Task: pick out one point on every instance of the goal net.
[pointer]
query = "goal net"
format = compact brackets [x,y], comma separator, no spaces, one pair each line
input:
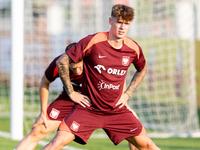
[164,101]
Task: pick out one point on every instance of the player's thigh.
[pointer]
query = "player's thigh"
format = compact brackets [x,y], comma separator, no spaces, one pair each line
[41,129]
[141,141]
[62,138]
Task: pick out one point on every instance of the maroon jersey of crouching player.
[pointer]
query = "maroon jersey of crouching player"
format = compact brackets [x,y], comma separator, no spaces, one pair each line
[62,105]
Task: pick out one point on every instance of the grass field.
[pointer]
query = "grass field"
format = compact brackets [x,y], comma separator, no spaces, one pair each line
[106,144]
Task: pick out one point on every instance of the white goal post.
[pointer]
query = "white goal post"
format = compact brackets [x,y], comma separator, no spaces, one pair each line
[17,57]
[39,31]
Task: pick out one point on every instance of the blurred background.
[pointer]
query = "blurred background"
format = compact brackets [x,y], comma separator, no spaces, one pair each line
[168,99]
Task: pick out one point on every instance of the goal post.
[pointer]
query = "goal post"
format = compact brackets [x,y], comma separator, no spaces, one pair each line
[17,59]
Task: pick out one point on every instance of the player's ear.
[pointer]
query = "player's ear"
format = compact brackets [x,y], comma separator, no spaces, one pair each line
[110,19]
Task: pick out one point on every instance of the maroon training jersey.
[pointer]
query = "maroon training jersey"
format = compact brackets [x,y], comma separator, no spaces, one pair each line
[52,73]
[105,68]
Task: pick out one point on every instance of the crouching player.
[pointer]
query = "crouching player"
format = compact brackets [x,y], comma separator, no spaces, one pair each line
[51,116]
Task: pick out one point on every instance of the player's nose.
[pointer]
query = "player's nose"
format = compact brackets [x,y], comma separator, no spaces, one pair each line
[78,71]
[122,26]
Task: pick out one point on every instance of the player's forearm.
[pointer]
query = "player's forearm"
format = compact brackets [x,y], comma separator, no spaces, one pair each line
[44,94]
[63,70]
[44,99]
[136,80]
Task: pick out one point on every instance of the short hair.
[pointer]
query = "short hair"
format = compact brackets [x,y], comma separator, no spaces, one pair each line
[70,45]
[123,12]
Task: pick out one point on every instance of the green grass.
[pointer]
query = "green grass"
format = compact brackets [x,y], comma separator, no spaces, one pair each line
[106,144]
[5,126]
[178,143]
[8,144]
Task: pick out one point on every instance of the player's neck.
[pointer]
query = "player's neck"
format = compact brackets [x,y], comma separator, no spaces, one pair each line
[114,42]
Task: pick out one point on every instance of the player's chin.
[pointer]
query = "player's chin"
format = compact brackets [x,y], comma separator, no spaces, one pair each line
[120,36]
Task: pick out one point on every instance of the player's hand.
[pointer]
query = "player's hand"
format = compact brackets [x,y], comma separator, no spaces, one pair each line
[123,100]
[80,99]
[41,119]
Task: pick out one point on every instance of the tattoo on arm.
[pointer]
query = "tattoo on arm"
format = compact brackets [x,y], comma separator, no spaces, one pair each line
[136,80]
[63,69]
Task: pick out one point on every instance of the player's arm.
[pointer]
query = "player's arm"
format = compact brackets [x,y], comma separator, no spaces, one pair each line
[136,80]
[44,94]
[63,70]
[126,104]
